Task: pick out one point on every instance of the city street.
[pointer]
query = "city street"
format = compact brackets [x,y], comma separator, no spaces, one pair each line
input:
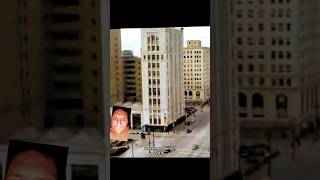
[303,165]
[177,138]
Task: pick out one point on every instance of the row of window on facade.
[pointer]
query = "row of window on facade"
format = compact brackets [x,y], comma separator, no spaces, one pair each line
[153,91]
[251,68]
[190,93]
[153,57]
[257,105]
[191,56]
[154,102]
[263,1]
[155,120]
[192,74]
[192,70]
[192,61]
[153,65]
[192,79]
[154,81]
[190,52]
[262,55]
[262,81]
[280,27]
[261,41]
[154,73]
[192,87]
[274,13]
[153,39]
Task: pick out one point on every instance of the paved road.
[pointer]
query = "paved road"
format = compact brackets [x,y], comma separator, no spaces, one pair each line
[304,165]
[179,139]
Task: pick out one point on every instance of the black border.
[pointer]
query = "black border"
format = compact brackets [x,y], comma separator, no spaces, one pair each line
[160,13]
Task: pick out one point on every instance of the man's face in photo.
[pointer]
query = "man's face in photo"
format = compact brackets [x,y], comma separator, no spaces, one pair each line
[31,165]
[119,120]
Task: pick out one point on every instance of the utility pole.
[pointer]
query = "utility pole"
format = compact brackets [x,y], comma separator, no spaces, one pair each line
[149,139]
[132,149]
[153,136]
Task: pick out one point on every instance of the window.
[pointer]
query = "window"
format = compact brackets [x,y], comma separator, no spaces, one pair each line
[281,68]
[281,82]
[261,81]
[261,55]
[261,27]
[288,68]
[239,40]
[288,55]
[250,13]
[239,14]
[273,54]
[261,68]
[250,40]
[250,27]
[240,54]
[257,105]
[242,105]
[281,105]
[261,40]
[239,67]
[288,82]
[251,81]
[65,18]
[288,27]
[251,67]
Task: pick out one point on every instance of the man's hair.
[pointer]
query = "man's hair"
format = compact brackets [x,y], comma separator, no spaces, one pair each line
[57,153]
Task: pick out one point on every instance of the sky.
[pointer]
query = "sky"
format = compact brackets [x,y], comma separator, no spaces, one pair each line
[131,38]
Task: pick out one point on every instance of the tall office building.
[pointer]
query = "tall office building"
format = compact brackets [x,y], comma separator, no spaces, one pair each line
[162,77]
[275,51]
[196,70]
[132,77]
[116,68]
[52,70]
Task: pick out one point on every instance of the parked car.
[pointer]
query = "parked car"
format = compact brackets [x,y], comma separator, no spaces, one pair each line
[195,146]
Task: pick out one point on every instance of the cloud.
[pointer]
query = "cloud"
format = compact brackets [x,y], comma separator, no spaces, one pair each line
[131,38]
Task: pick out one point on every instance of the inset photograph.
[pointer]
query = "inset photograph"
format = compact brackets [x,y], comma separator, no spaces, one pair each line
[160,92]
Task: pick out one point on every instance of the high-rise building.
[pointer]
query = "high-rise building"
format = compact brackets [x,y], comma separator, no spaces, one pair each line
[162,77]
[116,68]
[275,51]
[52,73]
[196,72]
[132,76]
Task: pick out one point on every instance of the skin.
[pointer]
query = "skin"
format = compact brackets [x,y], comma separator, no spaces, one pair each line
[31,165]
[119,125]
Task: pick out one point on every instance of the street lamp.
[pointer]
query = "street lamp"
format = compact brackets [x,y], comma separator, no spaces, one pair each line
[132,149]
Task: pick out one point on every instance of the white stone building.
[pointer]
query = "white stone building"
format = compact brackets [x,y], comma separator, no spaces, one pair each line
[196,72]
[162,75]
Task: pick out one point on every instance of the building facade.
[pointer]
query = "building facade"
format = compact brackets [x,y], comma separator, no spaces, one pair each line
[162,77]
[116,68]
[52,65]
[196,70]
[132,77]
[275,59]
